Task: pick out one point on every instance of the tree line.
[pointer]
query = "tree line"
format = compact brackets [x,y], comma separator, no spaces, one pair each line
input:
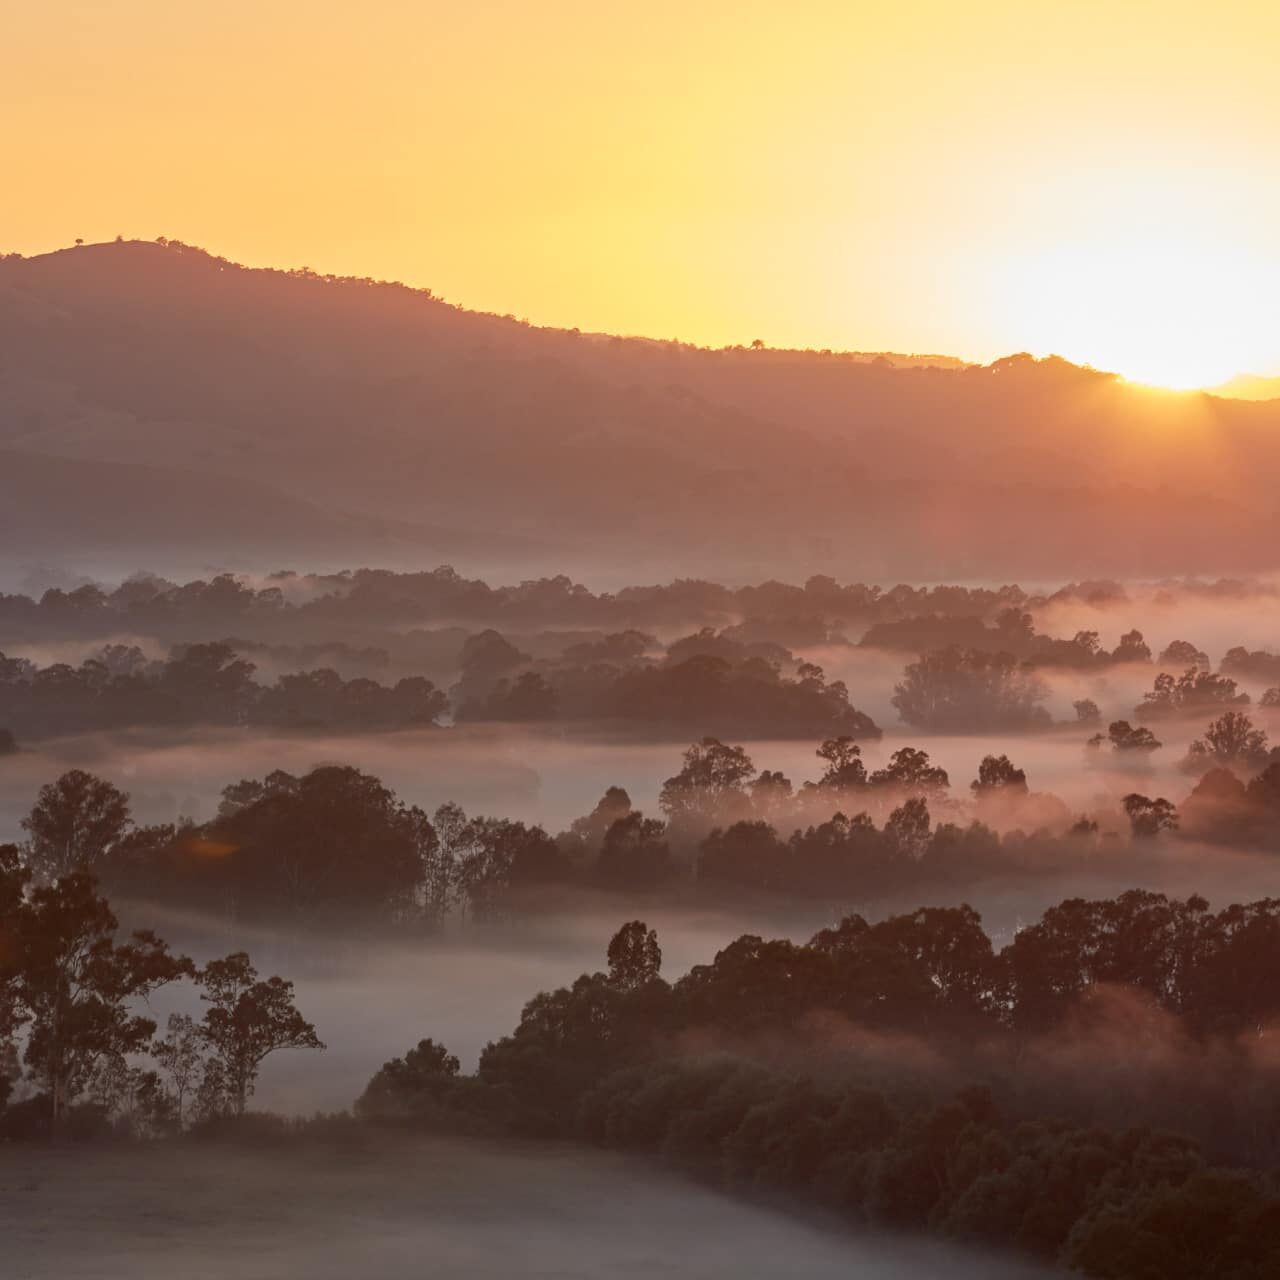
[703,680]
[905,1074]
[819,611]
[708,680]
[338,842]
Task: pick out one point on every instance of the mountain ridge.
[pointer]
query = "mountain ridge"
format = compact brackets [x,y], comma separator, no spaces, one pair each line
[384,402]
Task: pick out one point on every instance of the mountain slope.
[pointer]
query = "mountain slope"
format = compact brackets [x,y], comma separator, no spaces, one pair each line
[385,404]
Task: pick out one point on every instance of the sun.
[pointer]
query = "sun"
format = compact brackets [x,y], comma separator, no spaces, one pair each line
[1148,279]
[1153,312]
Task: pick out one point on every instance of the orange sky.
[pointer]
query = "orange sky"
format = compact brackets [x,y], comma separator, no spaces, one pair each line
[1094,179]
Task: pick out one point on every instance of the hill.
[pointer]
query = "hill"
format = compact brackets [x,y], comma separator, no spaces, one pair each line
[395,427]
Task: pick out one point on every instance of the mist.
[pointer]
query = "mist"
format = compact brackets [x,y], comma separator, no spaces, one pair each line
[394,1210]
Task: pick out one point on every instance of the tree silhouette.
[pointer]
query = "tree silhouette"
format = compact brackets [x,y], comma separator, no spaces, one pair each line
[80,986]
[635,853]
[74,823]
[248,1019]
[712,779]
[958,689]
[845,770]
[1229,740]
[635,959]
[1148,817]
[997,773]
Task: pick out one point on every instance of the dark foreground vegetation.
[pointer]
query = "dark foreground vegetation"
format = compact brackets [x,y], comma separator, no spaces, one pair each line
[78,1054]
[906,1075]
[1100,1092]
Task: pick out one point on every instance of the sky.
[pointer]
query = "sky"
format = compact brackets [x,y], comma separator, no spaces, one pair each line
[1092,179]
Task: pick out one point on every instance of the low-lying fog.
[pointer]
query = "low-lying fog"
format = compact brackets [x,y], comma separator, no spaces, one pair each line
[388,1210]
[371,997]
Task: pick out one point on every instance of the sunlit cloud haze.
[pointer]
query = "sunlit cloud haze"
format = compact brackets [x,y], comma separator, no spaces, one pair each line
[1088,179]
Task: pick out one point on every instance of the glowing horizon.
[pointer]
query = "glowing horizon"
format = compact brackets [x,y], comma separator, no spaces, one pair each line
[923,180]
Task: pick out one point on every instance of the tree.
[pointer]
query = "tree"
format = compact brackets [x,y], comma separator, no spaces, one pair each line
[1270,699]
[1181,653]
[411,1085]
[592,829]
[907,829]
[247,1020]
[961,690]
[1124,738]
[635,853]
[8,743]
[746,854]
[74,824]
[527,697]
[997,773]
[1132,648]
[335,837]
[845,770]
[635,959]
[1229,740]
[208,682]
[14,878]
[179,1055]
[1087,711]
[910,770]
[710,783]
[771,792]
[1147,818]
[1194,690]
[79,986]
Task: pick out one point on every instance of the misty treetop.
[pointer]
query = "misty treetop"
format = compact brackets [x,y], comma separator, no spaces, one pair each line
[337,842]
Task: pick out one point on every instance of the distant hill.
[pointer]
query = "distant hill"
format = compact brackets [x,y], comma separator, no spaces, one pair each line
[287,415]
